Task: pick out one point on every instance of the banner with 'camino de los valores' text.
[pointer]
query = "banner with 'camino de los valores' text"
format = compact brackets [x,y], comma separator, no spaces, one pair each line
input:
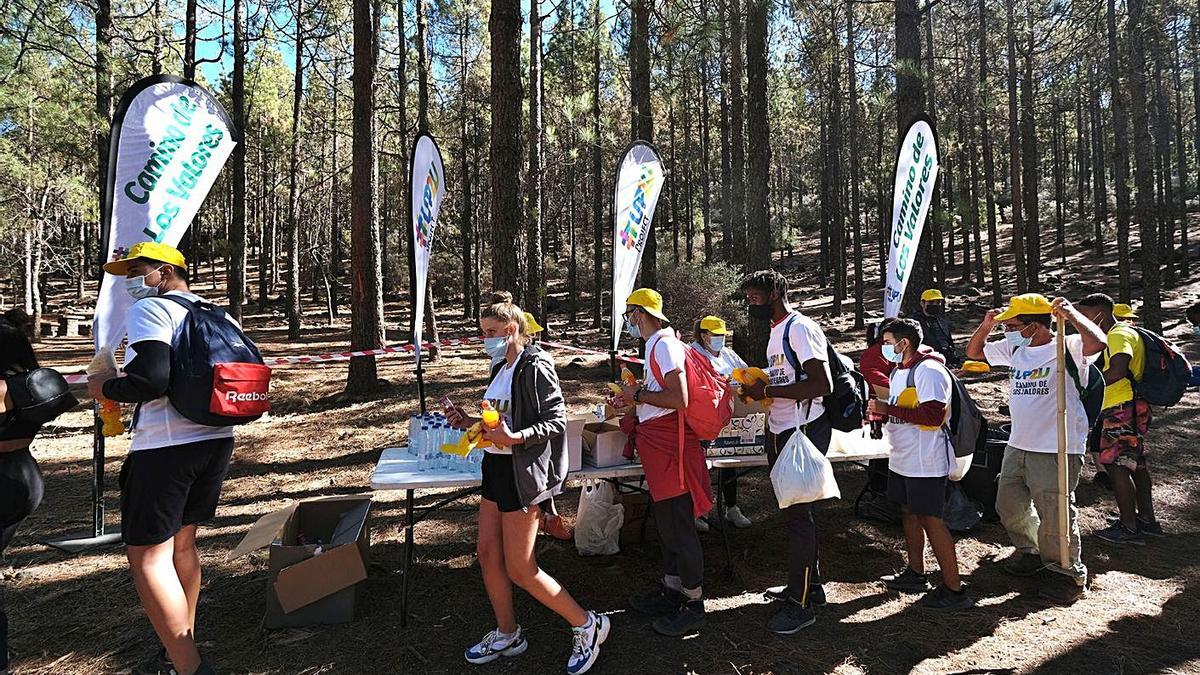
[639,183]
[170,138]
[428,188]
[916,174]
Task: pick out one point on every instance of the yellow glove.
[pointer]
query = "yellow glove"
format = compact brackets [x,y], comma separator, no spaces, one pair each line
[469,441]
[745,376]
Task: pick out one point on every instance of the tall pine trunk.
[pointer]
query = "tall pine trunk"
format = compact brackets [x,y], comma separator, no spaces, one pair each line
[534,270]
[737,140]
[852,124]
[910,97]
[507,214]
[235,278]
[293,231]
[597,177]
[1120,154]
[984,111]
[1140,30]
[366,289]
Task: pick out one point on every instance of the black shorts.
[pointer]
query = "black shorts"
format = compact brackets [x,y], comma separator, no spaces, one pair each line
[922,496]
[20,491]
[165,489]
[500,482]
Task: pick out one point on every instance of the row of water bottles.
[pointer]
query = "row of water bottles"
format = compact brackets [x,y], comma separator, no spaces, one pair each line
[427,434]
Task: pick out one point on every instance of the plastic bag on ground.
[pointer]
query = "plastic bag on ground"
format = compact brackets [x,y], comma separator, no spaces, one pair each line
[802,474]
[598,521]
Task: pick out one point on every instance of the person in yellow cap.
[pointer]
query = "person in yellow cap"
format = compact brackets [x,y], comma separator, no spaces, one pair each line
[677,600]
[1027,490]
[711,335]
[936,327]
[171,481]
[1118,436]
[1123,311]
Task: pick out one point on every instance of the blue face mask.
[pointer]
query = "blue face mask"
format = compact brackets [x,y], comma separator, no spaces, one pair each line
[890,353]
[1016,340]
[496,347]
[632,328]
[717,342]
[1196,330]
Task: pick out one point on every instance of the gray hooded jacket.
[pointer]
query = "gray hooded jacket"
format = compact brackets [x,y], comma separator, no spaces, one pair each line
[539,415]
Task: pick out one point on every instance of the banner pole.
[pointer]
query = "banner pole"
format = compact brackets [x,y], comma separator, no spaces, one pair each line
[412,273]
[1064,537]
[97,473]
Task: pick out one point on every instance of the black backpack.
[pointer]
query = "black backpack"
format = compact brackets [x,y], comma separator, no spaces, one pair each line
[1166,373]
[846,404]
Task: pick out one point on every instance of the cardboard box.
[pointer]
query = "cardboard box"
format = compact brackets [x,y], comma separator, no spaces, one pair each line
[306,587]
[575,424]
[639,523]
[743,436]
[603,444]
[743,409]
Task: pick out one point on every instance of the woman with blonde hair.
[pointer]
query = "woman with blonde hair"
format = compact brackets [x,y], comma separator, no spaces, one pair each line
[525,467]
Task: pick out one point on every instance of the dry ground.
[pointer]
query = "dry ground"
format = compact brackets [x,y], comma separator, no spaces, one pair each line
[79,614]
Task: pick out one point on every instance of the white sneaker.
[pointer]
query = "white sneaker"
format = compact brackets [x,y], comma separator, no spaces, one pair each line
[494,645]
[701,524]
[734,515]
[585,644]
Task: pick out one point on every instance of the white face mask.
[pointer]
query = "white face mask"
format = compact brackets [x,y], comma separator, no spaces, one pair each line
[716,342]
[137,288]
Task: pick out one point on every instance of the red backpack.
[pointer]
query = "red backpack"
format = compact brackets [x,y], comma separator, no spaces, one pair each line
[710,400]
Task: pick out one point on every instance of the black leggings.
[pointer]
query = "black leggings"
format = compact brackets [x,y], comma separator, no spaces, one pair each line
[20,493]
[682,555]
[804,567]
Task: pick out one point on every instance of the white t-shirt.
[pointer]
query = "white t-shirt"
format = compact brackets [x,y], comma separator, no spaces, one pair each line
[808,342]
[723,363]
[499,394]
[159,424]
[919,452]
[1033,401]
[668,352]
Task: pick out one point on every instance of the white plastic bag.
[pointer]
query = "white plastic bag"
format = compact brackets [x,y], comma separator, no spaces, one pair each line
[598,521]
[802,475]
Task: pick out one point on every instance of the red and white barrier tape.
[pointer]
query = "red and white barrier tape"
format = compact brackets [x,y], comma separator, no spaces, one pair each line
[390,350]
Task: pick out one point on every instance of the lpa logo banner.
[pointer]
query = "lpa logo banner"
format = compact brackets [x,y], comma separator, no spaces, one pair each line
[426,174]
[916,174]
[640,179]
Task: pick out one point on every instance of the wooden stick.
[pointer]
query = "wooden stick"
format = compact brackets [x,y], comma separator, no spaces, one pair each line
[1064,521]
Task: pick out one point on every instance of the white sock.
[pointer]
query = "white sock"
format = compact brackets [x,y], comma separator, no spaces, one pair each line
[673,582]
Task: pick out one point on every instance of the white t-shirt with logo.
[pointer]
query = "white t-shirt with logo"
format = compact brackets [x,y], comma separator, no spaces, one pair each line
[159,424]
[723,363]
[919,452]
[499,394]
[1033,400]
[808,342]
[667,350]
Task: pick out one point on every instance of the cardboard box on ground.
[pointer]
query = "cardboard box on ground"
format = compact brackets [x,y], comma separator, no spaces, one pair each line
[314,582]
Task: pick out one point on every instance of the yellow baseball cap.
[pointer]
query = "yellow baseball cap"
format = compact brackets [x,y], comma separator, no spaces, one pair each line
[931,294]
[714,325]
[150,250]
[1123,311]
[649,300]
[532,327]
[1029,303]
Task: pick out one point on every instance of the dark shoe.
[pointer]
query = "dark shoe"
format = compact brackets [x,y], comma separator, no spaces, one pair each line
[816,595]
[943,598]
[1064,591]
[791,619]
[908,581]
[1150,528]
[658,601]
[1117,533]
[1024,564]
[685,619]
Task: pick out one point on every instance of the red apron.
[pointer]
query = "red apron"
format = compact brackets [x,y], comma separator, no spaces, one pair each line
[658,444]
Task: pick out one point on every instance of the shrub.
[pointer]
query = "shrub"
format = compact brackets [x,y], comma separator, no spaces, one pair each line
[694,290]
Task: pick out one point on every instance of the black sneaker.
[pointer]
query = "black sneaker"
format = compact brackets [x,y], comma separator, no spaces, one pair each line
[658,601]
[1117,533]
[816,595]
[908,581]
[1024,564]
[944,599]
[685,619]
[1150,528]
[1063,590]
[791,619]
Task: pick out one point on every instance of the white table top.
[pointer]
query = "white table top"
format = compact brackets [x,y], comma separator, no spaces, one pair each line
[397,469]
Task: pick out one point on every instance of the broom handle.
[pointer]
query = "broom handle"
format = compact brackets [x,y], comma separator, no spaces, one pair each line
[1064,536]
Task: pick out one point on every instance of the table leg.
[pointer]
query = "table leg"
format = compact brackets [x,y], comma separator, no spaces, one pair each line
[724,525]
[408,556]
